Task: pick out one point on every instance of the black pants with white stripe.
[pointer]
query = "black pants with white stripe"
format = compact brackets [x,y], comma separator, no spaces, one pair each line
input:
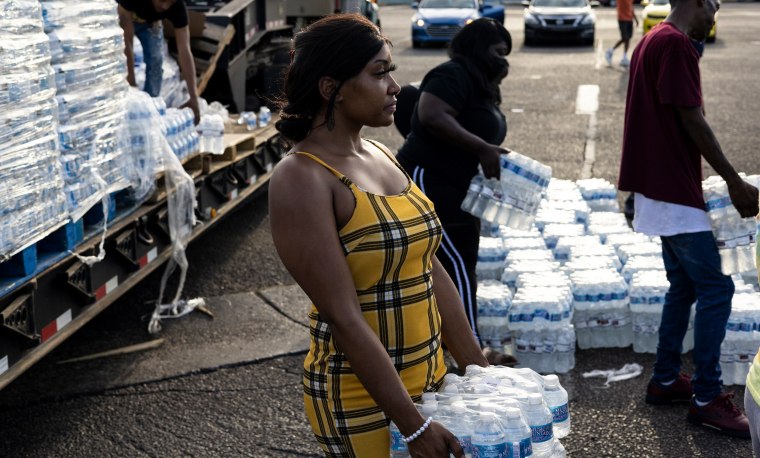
[458,252]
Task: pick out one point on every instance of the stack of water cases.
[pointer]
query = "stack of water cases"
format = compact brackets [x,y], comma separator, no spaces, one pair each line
[513,200]
[494,303]
[32,202]
[87,48]
[742,334]
[498,412]
[647,295]
[735,235]
[491,257]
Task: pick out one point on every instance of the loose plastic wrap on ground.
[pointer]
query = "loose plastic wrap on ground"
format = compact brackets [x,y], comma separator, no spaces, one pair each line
[32,201]
[89,66]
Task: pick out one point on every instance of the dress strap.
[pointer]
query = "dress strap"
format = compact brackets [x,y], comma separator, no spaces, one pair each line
[390,155]
[344,179]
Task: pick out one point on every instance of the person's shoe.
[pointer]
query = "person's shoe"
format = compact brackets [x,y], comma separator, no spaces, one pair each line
[678,391]
[624,62]
[608,56]
[720,414]
[497,358]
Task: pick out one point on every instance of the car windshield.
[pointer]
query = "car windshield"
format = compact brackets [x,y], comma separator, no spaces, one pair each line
[447,4]
[559,3]
[661,2]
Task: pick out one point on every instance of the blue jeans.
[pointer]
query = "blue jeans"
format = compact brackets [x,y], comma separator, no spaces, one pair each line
[692,263]
[151,38]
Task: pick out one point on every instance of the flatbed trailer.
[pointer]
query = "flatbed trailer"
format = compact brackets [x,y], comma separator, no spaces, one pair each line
[41,310]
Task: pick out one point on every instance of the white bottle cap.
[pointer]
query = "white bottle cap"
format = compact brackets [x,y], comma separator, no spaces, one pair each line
[535,399]
[551,381]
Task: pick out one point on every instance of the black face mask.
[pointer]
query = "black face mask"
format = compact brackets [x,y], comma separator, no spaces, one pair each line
[498,68]
[699,46]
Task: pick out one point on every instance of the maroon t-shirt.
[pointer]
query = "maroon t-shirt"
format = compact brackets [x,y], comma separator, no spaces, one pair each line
[659,159]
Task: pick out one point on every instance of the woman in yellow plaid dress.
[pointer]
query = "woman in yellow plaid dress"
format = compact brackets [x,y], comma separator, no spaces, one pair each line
[360,239]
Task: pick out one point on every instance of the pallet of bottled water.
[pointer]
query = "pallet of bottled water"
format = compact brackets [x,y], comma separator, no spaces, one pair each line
[637,264]
[734,235]
[566,245]
[87,49]
[742,334]
[32,198]
[498,411]
[513,200]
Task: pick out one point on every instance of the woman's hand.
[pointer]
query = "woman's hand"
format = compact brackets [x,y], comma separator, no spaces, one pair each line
[488,155]
[435,442]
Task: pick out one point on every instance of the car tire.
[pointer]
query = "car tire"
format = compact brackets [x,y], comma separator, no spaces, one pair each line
[528,41]
[416,44]
[589,41]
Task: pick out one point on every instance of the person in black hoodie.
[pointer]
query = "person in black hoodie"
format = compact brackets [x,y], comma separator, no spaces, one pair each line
[456,126]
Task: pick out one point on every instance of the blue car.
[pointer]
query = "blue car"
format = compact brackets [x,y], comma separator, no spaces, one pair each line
[437,21]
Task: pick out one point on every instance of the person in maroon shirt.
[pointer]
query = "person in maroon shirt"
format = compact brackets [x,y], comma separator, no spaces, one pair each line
[665,137]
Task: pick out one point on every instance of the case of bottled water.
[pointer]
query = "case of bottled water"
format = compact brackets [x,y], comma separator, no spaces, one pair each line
[553,231]
[211,132]
[554,216]
[493,408]
[600,194]
[602,316]
[491,257]
[636,264]
[742,338]
[642,249]
[562,250]
[32,197]
[734,235]
[511,272]
[513,200]
[494,303]
[631,238]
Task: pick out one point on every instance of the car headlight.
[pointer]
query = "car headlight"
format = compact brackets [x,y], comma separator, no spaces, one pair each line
[587,20]
[531,19]
[468,20]
[420,22]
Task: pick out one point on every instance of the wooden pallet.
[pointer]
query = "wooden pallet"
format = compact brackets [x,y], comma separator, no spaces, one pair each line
[236,147]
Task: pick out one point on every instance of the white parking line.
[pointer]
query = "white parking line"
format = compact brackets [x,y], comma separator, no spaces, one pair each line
[587,102]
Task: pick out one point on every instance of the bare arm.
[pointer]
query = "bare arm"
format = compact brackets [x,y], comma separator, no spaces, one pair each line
[187,67]
[125,21]
[455,329]
[744,196]
[440,119]
[315,258]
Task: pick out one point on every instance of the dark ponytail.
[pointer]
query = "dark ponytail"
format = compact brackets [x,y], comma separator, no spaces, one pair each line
[338,46]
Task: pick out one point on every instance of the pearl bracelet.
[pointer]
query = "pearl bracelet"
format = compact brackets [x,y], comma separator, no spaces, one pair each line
[419,432]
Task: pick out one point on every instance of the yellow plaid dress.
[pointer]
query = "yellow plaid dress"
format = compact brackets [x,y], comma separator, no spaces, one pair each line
[389,243]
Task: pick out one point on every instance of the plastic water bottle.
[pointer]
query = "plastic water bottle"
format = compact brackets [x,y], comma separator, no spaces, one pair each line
[517,434]
[248,119]
[476,184]
[398,446]
[459,426]
[556,398]
[488,439]
[265,116]
[540,420]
